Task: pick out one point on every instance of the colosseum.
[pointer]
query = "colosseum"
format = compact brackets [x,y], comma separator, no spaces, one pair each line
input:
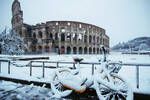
[63,37]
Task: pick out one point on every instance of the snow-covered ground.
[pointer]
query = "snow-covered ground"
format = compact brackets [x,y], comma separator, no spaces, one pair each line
[13,91]
[127,72]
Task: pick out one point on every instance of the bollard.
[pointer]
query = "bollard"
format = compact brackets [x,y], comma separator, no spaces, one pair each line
[137,76]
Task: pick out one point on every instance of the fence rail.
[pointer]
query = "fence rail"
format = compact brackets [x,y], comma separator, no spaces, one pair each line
[43,65]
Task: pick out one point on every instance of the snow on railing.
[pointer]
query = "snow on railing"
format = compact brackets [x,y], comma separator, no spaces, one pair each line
[7,61]
[30,65]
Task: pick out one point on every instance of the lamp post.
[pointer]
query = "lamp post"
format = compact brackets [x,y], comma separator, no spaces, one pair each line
[104,52]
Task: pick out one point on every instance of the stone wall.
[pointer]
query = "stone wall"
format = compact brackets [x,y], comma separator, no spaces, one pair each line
[67,37]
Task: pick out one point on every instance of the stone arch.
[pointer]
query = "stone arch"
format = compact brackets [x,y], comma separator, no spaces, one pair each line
[33,48]
[40,49]
[90,39]
[90,50]
[97,50]
[94,39]
[80,50]
[62,37]
[68,50]
[98,39]
[40,35]
[94,50]
[74,50]
[100,50]
[85,38]
[46,48]
[34,35]
[56,49]
[68,37]
[51,36]
[46,34]
[56,36]
[75,37]
[85,50]
[62,50]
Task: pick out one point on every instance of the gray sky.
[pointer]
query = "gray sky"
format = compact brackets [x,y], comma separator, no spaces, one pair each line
[122,19]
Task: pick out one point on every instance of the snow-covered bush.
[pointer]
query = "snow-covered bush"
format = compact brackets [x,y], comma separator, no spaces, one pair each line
[11,43]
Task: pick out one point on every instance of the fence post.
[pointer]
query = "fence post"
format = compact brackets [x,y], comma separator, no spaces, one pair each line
[43,69]
[92,69]
[137,76]
[8,67]
[31,68]
[74,66]
[57,64]
[0,67]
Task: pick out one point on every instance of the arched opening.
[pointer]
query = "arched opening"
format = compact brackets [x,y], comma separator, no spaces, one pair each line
[90,39]
[90,50]
[39,49]
[80,50]
[56,36]
[51,36]
[46,48]
[69,37]
[100,51]
[62,50]
[74,50]
[85,38]
[33,49]
[47,33]
[97,50]
[94,39]
[34,35]
[40,34]
[93,50]
[75,37]
[68,50]
[34,41]
[56,49]
[62,37]
[85,50]
[98,39]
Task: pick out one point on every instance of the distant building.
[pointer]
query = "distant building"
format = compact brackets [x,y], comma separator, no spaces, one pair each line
[64,37]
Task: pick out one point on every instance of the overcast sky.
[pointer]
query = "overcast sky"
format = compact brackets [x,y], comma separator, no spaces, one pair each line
[122,19]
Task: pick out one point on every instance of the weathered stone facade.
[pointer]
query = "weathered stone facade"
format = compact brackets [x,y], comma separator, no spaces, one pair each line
[64,37]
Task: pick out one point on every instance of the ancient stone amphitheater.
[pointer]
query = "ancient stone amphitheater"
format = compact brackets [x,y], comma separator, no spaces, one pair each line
[63,37]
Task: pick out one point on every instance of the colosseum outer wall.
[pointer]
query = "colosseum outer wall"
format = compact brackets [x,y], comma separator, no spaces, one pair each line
[63,37]
[68,37]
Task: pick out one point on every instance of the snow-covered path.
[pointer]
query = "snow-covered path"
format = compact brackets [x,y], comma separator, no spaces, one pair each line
[13,91]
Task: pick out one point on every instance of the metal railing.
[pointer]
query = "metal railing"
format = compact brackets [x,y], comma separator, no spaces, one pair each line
[137,65]
[7,61]
[58,65]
